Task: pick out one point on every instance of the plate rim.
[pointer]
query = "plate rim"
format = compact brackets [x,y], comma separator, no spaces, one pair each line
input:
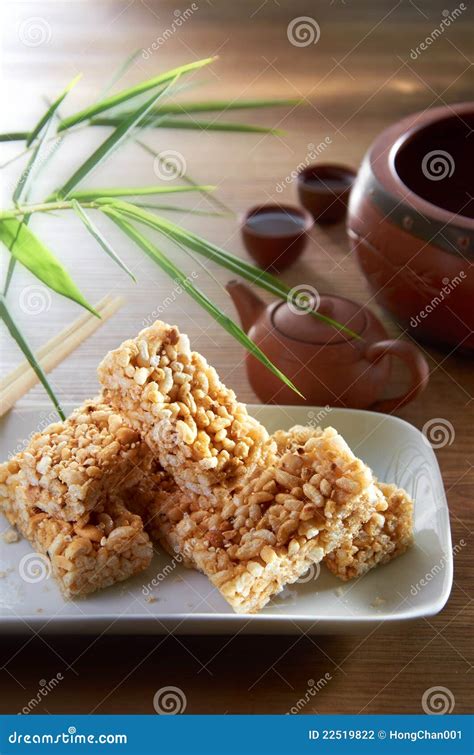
[38,623]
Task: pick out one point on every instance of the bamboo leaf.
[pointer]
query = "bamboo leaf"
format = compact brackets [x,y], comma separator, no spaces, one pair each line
[51,110]
[212,106]
[110,144]
[187,210]
[34,255]
[201,246]
[8,278]
[86,195]
[42,128]
[184,177]
[182,123]
[27,174]
[14,136]
[16,157]
[131,92]
[99,237]
[122,110]
[176,274]
[17,335]
[120,71]
[34,166]
[190,240]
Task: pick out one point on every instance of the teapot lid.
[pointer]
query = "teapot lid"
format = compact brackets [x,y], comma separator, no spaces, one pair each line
[303,326]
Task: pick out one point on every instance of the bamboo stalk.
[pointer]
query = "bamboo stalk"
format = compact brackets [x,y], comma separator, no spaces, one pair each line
[23,378]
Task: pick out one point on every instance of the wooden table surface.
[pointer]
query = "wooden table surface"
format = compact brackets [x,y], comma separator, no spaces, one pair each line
[358,78]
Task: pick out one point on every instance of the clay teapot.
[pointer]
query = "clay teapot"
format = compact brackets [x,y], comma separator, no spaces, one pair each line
[329,366]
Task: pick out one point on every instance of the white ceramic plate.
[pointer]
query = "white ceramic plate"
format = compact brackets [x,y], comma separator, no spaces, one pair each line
[415,585]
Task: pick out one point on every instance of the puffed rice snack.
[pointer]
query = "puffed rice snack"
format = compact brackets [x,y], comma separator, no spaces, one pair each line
[194,424]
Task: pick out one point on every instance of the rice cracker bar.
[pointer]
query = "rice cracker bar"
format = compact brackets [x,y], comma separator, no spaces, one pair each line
[66,468]
[286,517]
[386,535]
[103,548]
[201,434]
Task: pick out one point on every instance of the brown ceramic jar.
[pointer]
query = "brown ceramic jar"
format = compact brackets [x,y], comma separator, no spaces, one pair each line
[411,224]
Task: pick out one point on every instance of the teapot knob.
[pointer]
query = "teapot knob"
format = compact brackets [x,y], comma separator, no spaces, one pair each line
[326,307]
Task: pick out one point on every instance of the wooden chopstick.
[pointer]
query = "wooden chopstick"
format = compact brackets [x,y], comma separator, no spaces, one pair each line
[23,378]
[53,343]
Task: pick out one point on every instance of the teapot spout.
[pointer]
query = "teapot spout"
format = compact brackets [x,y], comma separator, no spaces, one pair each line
[249,306]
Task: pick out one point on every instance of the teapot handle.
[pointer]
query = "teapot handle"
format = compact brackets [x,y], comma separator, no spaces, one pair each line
[414,360]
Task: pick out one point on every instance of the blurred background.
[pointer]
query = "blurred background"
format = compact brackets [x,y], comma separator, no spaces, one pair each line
[355,75]
[360,69]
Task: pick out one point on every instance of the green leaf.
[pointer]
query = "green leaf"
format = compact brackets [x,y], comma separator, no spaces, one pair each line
[99,237]
[236,265]
[26,135]
[32,166]
[127,94]
[51,110]
[201,246]
[9,275]
[16,334]
[186,178]
[244,128]
[183,85]
[16,157]
[86,195]
[120,71]
[176,274]
[212,106]
[111,143]
[42,128]
[187,210]
[34,255]
[181,123]
[15,136]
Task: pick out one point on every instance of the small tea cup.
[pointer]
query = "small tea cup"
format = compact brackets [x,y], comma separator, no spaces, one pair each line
[324,191]
[275,235]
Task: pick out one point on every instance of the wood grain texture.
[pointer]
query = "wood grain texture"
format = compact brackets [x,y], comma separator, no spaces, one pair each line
[354,82]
